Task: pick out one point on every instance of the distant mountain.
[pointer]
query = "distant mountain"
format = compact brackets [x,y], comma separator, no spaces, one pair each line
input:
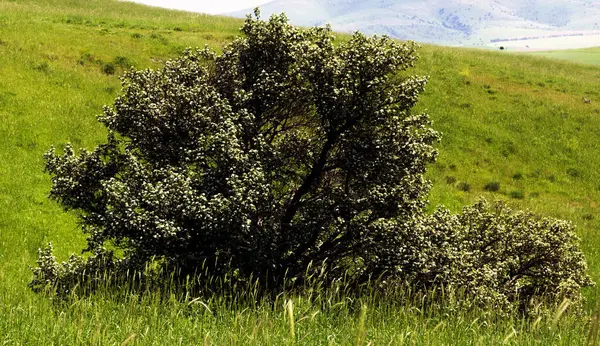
[448,22]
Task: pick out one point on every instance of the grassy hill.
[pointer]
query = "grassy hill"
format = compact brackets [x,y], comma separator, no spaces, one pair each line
[449,22]
[518,121]
[583,56]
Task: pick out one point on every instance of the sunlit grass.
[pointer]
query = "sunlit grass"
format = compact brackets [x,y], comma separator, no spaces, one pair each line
[180,314]
[582,56]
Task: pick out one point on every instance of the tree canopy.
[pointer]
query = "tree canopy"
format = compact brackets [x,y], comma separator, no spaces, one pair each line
[286,151]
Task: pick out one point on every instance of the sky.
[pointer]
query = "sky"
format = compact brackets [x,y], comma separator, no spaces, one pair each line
[205,6]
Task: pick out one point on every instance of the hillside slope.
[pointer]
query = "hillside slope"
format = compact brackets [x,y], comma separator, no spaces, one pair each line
[518,121]
[454,22]
[514,119]
[584,56]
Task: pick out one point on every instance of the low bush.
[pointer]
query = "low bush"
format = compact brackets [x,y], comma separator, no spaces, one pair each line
[493,186]
[502,257]
[109,68]
[450,180]
[123,62]
[517,194]
[464,186]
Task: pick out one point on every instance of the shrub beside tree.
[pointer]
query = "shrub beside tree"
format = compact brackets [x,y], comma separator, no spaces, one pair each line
[497,256]
[284,152]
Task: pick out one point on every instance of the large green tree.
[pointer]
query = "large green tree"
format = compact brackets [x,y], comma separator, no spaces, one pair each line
[285,152]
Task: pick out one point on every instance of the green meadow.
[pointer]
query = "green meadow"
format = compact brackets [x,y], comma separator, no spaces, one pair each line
[515,127]
[582,56]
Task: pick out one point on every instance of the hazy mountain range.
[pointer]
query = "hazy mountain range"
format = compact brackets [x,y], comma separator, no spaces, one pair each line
[452,22]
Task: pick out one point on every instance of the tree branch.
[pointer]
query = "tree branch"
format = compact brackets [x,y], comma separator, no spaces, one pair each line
[314,175]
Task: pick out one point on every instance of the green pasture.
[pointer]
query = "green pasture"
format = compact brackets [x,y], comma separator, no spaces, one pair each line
[583,56]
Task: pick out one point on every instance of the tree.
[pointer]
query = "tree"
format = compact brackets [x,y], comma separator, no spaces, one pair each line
[285,150]
[289,152]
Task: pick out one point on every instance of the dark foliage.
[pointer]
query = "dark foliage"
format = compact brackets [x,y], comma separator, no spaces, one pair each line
[499,256]
[284,151]
[288,152]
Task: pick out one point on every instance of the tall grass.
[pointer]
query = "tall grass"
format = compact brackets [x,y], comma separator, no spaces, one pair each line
[218,311]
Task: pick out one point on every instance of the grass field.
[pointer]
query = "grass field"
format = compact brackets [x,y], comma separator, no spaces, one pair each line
[519,121]
[583,56]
